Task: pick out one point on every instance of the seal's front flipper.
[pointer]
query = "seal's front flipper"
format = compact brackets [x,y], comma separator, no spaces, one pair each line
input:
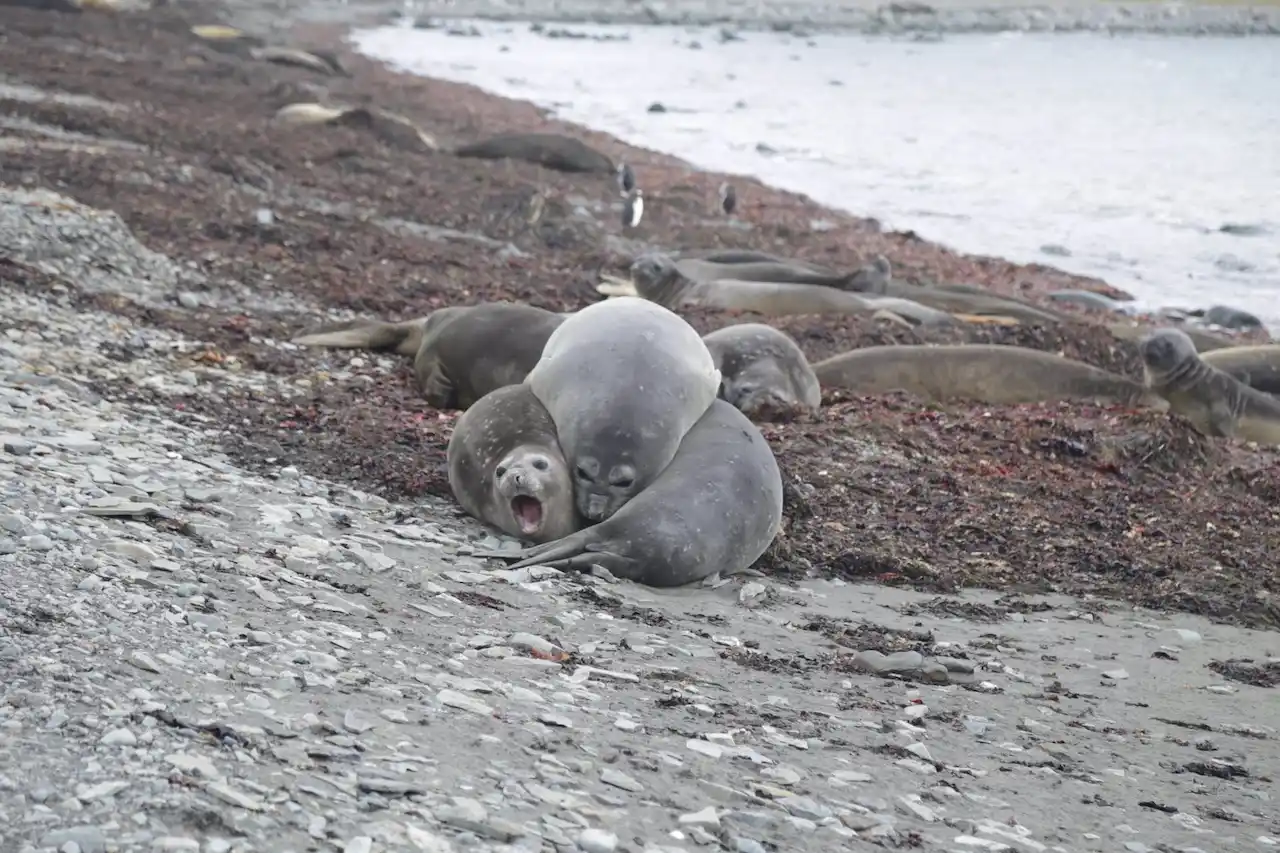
[546,554]
[1222,420]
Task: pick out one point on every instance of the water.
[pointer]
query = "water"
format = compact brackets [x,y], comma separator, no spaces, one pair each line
[1129,152]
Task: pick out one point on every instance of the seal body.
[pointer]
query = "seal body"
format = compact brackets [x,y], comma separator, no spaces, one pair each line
[460,353]
[624,380]
[1215,402]
[988,373]
[714,509]
[1255,366]
[748,256]
[702,270]
[762,368]
[553,150]
[506,467]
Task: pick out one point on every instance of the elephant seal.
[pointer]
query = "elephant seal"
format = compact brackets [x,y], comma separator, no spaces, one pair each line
[761,368]
[1255,366]
[1231,318]
[1204,341]
[658,278]
[714,509]
[506,467]
[701,270]
[553,150]
[987,373]
[747,256]
[395,130]
[1215,402]
[624,380]
[1088,299]
[460,353]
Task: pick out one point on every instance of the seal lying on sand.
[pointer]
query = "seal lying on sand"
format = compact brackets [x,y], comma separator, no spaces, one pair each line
[762,368]
[747,256]
[506,467]
[392,129]
[1215,402]
[769,271]
[460,353]
[624,380]
[1255,366]
[715,509]
[987,373]
[659,279]
[553,150]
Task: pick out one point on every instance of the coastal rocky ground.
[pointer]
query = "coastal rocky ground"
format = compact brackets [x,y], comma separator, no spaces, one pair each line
[239,611]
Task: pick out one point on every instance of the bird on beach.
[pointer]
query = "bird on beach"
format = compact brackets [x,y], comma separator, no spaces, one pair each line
[626,179]
[633,210]
[728,198]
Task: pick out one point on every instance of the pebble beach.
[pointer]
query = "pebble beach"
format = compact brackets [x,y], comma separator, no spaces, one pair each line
[240,611]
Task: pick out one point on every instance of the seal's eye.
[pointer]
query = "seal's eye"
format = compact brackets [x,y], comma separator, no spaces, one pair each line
[624,483]
[583,473]
[500,472]
[540,464]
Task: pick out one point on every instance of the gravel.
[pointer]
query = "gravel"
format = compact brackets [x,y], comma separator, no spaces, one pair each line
[194,657]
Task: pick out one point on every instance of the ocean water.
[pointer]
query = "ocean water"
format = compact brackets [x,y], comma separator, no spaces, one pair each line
[1129,153]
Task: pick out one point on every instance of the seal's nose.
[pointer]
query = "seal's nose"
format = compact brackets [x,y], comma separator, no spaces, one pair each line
[596,505]
[518,476]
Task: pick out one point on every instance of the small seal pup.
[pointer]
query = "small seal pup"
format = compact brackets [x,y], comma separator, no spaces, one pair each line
[506,467]
[987,373]
[1215,402]
[460,353]
[715,509]
[1256,366]
[762,368]
[624,380]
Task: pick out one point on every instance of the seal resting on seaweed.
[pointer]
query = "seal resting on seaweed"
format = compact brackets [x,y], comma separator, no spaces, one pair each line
[460,353]
[624,380]
[761,369]
[987,373]
[1256,366]
[662,280]
[1215,402]
[714,509]
[553,150]
[506,467]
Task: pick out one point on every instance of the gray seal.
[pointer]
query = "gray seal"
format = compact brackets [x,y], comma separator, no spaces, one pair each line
[624,380]
[460,353]
[747,256]
[658,278]
[506,467]
[784,272]
[715,509]
[1256,366]
[1215,402]
[552,150]
[988,373]
[762,369]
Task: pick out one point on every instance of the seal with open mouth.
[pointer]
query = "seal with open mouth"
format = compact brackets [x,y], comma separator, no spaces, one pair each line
[506,467]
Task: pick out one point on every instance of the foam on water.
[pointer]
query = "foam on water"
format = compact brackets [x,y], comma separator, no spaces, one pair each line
[1130,153]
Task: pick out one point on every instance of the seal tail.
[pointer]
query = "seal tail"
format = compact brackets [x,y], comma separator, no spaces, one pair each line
[404,338]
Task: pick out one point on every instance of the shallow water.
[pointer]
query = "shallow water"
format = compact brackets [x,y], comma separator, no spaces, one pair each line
[1129,153]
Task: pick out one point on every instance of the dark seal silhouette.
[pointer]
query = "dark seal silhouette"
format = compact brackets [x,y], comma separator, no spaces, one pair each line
[553,150]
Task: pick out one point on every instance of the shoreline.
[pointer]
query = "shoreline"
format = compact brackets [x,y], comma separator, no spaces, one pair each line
[908,18]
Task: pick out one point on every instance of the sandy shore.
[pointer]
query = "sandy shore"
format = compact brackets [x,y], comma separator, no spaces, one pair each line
[932,18]
[240,611]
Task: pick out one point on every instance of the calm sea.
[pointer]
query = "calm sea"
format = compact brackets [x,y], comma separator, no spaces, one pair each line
[1119,157]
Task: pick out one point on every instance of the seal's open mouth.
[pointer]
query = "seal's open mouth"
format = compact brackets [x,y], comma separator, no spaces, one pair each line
[528,511]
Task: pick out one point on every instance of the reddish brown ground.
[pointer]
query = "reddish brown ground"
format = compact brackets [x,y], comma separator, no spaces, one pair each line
[1031,498]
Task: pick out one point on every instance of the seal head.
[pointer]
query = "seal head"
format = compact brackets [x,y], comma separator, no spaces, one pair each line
[534,488]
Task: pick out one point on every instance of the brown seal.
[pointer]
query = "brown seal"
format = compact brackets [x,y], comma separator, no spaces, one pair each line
[553,150]
[506,467]
[762,369]
[988,373]
[624,380]
[713,510]
[1256,366]
[460,353]
[1215,402]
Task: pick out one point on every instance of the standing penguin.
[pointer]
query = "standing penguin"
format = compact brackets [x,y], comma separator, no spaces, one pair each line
[626,179]
[728,198]
[633,210]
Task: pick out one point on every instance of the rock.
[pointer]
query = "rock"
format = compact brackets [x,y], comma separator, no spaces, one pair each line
[597,841]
